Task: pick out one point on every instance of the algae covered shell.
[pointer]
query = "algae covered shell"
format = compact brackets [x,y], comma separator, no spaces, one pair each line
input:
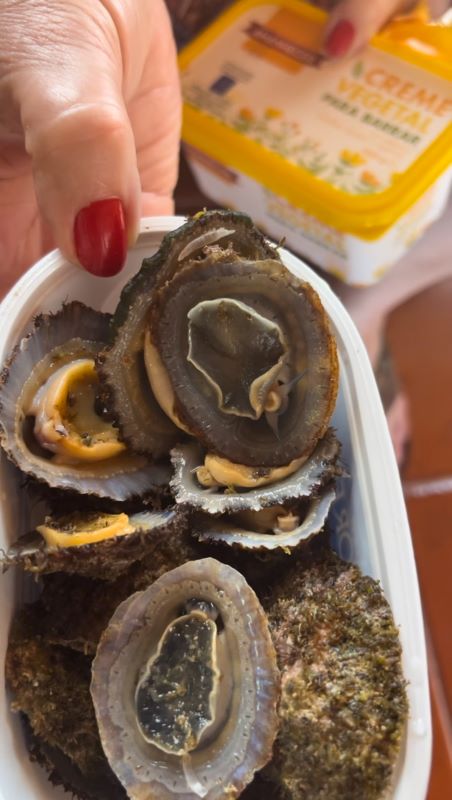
[343,707]
[50,686]
[37,428]
[95,544]
[185,686]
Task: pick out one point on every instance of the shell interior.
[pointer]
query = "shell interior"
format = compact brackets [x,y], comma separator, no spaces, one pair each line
[240,739]
[316,471]
[54,341]
[140,417]
[223,530]
[250,358]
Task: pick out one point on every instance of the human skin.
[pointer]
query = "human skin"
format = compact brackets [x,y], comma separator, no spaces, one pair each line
[90,111]
[368,16]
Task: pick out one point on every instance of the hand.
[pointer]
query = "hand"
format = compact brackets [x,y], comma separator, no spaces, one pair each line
[89,128]
[353,22]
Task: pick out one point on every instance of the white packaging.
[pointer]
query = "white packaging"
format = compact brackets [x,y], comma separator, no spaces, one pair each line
[369,518]
[351,259]
[348,159]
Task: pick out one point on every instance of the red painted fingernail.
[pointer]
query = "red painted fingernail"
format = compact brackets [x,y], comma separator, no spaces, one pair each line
[100,237]
[340,39]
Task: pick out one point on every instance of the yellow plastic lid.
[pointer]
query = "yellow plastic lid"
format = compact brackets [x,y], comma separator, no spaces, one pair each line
[355,143]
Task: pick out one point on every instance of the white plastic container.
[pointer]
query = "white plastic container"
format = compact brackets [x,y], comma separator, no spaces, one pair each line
[369,518]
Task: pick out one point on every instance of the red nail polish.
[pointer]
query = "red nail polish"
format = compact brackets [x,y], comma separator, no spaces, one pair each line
[100,237]
[340,39]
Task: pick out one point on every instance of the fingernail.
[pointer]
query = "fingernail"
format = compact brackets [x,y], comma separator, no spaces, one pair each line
[100,237]
[340,39]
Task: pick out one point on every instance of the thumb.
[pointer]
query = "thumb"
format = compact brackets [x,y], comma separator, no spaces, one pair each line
[81,144]
[353,22]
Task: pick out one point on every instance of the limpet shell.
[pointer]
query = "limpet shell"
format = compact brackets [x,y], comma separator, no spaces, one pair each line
[55,340]
[222,529]
[314,473]
[241,738]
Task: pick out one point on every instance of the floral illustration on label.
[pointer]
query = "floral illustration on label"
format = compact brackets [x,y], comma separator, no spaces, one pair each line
[285,137]
[271,128]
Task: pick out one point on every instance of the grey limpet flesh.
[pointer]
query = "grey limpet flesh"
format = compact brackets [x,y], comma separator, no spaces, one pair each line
[314,473]
[221,529]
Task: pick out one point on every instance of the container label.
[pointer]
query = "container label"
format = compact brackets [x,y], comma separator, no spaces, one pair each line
[355,124]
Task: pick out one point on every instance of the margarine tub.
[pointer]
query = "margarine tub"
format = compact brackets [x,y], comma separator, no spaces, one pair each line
[347,161]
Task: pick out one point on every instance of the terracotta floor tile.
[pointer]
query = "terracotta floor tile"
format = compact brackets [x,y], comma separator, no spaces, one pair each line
[440,786]
[431,527]
[420,336]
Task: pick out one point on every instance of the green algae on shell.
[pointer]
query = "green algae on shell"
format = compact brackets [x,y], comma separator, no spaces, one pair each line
[50,686]
[343,705]
[74,610]
[63,772]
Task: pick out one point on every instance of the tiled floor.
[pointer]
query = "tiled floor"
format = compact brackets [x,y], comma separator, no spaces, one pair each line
[420,336]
